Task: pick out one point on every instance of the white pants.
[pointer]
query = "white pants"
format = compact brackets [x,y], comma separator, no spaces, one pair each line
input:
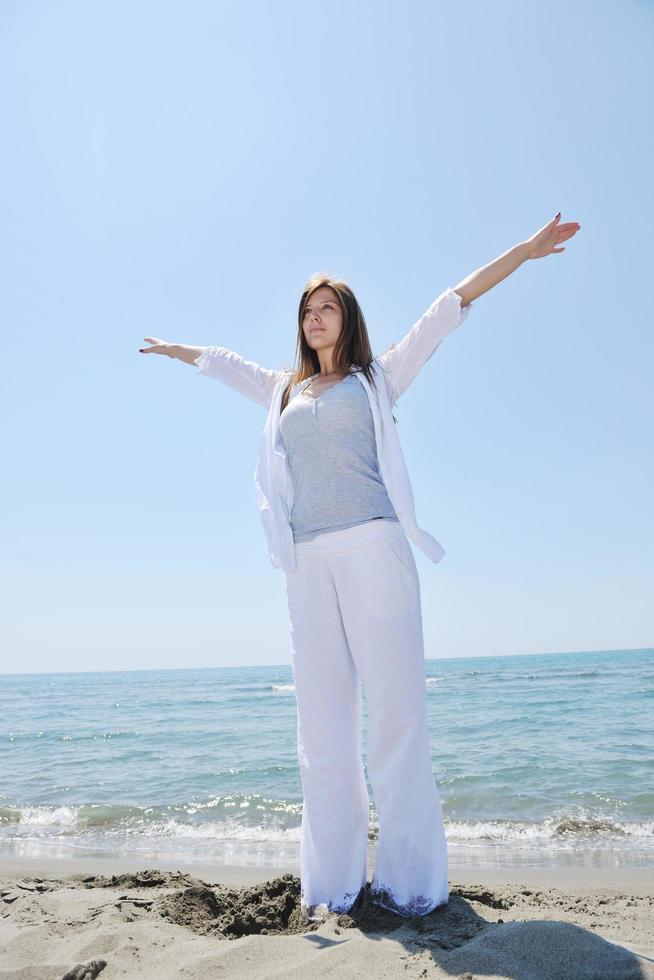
[355,616]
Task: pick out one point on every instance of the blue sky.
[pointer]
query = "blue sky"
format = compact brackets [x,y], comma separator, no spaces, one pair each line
[179,169]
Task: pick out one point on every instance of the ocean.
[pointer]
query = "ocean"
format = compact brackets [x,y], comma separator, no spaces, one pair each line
[540,760]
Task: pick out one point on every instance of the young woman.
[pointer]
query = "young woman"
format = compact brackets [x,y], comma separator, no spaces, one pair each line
[337,508]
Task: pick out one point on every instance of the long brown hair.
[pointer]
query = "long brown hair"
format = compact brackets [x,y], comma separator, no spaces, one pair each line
[352,348]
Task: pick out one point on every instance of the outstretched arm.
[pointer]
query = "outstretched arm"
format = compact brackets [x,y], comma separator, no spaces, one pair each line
[246,377]
[402,361]
[542,243]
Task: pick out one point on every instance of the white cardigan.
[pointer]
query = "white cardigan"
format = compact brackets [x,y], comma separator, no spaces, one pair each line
[394,370]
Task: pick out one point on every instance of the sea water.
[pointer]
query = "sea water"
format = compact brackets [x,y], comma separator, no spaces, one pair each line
[540,761]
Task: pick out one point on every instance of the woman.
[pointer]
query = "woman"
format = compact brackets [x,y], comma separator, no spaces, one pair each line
[337,507]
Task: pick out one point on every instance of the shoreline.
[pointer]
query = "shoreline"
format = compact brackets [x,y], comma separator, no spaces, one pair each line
[569,878]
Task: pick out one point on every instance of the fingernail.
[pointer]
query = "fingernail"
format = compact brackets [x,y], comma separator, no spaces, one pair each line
[558,215]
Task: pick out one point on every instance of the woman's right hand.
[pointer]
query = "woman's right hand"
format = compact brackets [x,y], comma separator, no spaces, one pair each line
[158,347]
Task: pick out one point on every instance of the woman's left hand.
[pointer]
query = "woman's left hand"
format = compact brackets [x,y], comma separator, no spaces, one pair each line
[545,240]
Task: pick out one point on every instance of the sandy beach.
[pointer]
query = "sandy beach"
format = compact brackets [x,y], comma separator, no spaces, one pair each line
[90,918]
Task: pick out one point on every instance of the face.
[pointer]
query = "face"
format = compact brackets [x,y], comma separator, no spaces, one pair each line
[323,320]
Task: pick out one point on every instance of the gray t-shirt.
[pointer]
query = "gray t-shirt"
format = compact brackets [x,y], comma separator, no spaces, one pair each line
[330,441]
